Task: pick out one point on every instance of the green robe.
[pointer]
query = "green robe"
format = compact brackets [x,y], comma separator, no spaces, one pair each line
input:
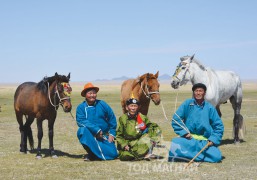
[138,141]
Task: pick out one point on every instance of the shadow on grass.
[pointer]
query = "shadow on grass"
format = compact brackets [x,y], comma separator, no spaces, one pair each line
[46,153]
[229,141]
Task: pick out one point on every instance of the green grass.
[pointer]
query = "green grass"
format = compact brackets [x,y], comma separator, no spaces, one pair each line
[239,163]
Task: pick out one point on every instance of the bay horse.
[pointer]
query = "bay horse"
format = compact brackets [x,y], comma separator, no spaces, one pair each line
[221,86]
[41,101]
[143,88]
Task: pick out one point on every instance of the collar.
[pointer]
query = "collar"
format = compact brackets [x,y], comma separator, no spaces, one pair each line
[195,103]
[88,104]
[132,116]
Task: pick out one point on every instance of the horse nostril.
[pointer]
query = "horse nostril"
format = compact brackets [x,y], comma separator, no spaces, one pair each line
[158,102]
[67,108]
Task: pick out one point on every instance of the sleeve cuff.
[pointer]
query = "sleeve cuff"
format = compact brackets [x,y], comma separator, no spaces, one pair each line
[112,135]
[183,133]
[97,132]
[214,140]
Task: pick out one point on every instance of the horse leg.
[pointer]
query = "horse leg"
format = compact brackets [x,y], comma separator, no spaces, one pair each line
[144,109]
[23,144]
[123,105]
[218,110]
[51,136]
[29,131]
[39,136]
[238,119]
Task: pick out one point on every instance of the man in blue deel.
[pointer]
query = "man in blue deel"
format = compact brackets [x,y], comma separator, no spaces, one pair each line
[197,123]
[97,126]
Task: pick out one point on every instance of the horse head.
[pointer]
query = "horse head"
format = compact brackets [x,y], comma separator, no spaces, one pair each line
[181,75]
[63,91]
[59,91]
[150,86]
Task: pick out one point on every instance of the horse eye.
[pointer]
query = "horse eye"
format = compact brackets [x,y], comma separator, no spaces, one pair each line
[60,88]
[183,68]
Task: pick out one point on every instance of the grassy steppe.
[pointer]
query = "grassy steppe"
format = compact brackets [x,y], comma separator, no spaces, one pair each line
[239,162]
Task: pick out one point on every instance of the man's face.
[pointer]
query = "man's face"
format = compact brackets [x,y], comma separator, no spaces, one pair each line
[91,96]
[199,93]
[132,108]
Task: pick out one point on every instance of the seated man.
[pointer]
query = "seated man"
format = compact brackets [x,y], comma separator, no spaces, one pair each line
[197,123]
[136,135]
[97,126]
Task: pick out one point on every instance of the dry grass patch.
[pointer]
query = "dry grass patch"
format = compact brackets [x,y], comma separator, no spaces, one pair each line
[239,160]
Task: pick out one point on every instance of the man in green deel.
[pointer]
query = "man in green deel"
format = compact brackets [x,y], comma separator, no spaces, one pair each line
[136,135]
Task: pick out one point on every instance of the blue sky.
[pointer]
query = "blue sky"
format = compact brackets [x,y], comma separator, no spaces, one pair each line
[105,39]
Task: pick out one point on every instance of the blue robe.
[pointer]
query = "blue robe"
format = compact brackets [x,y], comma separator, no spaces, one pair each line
[91,120]
[200,120]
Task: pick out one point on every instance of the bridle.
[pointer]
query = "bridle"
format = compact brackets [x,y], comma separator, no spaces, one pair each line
[147,92]
[56,93]
[175,75]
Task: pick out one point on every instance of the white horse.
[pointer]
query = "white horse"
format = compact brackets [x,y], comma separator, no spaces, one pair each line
[221,86]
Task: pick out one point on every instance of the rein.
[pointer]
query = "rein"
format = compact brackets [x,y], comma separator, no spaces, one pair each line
[148,94]
[183,126]
[187,70]
[56,92]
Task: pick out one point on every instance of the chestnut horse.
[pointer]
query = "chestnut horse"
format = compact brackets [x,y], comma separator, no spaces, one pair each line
[41,101]
[143,88]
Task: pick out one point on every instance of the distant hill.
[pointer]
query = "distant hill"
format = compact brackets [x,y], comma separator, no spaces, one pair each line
[164,77]
[123,78]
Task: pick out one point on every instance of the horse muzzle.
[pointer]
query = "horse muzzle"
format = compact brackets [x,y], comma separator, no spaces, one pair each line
[174,84]
[66,105]
[156,99]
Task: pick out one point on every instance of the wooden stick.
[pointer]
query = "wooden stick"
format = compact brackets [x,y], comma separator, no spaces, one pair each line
[208,143]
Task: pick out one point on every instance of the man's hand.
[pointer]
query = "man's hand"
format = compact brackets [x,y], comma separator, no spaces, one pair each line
[110,138]
[210,143]
[99,136]
[188,136]
[126,148]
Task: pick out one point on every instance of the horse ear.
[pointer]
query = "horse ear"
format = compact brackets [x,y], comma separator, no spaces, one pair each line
[68,76]
[157,74]
[192,57]
[56,74]
[148,76]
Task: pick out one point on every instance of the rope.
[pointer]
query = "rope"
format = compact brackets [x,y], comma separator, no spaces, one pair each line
[50,97]
[149,93]
[183,126]
[176,101]
[164,112]
[60,99]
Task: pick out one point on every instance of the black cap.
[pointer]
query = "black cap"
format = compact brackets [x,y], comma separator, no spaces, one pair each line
[199,85]
[132,101]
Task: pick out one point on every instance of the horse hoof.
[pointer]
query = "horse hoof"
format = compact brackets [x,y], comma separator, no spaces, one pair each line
[38,157]
[23,151]
[54,156]
[237,142]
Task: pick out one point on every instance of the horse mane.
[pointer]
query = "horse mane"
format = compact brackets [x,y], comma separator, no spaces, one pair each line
[148,76]
[195,61]
[42,85]
[199,64]
[139,79]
